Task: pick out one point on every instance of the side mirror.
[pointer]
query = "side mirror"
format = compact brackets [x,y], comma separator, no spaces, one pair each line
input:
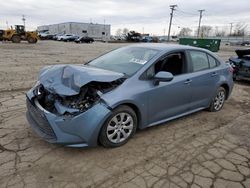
[163,77]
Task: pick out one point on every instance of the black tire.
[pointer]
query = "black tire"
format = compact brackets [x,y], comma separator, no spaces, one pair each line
[16,39]
[217,102]
[235,77]
[32,40]
[103,136]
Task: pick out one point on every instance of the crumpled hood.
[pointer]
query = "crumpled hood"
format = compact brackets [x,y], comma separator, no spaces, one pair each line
[66,80]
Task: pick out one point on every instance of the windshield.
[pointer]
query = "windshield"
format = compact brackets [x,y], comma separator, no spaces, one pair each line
[125,60]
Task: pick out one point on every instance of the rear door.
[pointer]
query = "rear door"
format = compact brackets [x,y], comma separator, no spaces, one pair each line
[204,76]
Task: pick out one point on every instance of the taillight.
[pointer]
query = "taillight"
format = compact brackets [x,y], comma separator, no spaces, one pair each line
[230,66]
[231,69]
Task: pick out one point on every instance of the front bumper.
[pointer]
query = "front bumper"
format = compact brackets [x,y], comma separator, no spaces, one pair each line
[78,131]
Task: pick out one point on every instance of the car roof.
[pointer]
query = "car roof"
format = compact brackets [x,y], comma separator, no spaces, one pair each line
[166,47]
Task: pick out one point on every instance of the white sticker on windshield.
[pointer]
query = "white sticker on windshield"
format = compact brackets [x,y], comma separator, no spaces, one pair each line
[139,61]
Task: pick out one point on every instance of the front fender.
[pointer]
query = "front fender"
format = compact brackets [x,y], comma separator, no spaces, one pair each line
[140,109]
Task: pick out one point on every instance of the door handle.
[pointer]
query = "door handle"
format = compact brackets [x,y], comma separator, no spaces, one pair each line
[214,74]
[188,81]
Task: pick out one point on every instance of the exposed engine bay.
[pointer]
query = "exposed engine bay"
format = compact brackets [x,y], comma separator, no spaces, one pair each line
[88,96]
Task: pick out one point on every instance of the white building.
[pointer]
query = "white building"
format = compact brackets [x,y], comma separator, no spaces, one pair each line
[96,31]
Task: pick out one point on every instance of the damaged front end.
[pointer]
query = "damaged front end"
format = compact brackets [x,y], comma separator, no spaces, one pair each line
[72,89]
[66,104]
[89,95]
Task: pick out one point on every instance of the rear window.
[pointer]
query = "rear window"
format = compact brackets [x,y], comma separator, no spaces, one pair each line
[199,60]
[212,61]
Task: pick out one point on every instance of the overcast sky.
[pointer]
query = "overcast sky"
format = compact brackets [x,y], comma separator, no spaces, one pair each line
[150,15]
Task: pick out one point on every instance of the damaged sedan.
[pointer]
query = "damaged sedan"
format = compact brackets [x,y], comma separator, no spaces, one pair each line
[241,64]
[106,100]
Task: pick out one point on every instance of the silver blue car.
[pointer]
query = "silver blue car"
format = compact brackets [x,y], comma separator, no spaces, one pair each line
[106,100]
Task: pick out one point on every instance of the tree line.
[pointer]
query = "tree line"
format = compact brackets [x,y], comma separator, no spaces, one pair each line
[240,29]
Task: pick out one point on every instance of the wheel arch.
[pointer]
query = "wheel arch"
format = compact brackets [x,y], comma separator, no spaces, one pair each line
[226,87]
[133,107]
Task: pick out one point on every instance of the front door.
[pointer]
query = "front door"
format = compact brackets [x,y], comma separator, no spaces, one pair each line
[168,99]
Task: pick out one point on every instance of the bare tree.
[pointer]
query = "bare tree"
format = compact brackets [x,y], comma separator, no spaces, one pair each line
[125,31]
[205,30]
[118,32]
[185,31]
[219,32]
[240,29]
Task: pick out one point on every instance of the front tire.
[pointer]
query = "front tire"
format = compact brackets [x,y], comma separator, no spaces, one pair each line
[16,39]
[119,127]
[218,101]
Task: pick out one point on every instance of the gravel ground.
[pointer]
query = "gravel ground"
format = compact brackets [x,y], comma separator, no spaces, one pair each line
[200,150]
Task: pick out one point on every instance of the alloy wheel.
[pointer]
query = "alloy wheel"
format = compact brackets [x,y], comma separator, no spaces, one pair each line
[219,100]
[120,127]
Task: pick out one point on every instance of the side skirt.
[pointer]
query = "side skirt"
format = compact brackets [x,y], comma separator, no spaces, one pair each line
[175,117]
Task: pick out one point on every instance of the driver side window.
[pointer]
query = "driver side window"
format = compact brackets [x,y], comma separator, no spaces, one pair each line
[174,63]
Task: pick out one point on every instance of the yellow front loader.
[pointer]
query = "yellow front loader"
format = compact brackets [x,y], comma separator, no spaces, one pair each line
[18,34]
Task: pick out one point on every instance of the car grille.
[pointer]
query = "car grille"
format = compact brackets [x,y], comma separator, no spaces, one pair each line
[40,121]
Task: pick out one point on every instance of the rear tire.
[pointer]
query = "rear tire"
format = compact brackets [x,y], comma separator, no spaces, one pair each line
[119,127]
[218,100]
[235,77]
[16,39]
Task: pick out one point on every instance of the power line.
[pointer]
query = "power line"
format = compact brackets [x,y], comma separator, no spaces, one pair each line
[187,13]
[201,11]
[172,7]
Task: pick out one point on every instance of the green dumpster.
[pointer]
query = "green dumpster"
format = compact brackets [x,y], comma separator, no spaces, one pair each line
[210,44]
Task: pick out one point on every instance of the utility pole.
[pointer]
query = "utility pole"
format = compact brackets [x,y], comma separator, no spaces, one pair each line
[231,27]
[172,7]
[198,33]
[23,19]
[104,23]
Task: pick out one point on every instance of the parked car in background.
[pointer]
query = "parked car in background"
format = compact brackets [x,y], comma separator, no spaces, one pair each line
[239,43]
[150,39]
[241,64]
[174,38]
[70,38]
[45,35]
[56,36]
[245,43]
[147,39]
[122,38]
[62,37]
[107,100]
[84,40]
